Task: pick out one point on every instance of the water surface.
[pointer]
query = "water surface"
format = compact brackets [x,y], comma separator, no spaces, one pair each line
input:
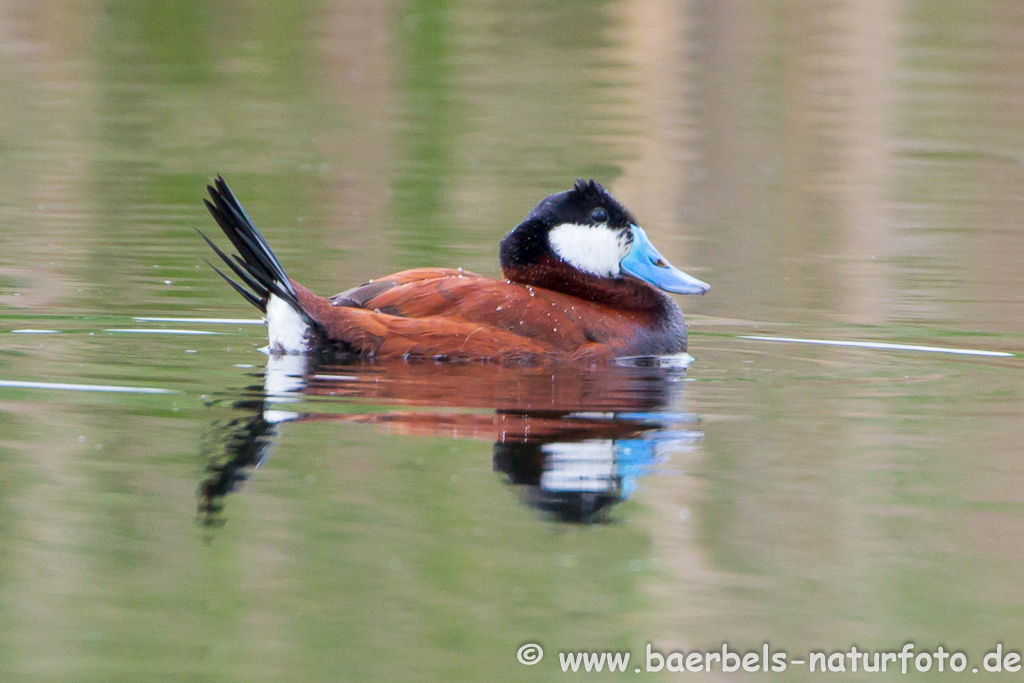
[178,506]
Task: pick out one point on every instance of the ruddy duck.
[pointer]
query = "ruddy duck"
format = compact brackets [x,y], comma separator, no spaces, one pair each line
[582,284]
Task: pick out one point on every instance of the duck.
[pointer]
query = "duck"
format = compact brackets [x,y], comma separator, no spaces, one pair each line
[582,283]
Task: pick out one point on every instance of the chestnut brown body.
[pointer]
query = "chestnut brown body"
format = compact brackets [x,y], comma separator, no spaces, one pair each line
[440,312]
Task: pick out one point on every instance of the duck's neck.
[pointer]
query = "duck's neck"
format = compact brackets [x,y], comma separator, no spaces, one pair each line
[625,293]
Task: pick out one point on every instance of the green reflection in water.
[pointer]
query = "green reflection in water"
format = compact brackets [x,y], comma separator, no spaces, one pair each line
[422,214]
[224,91]
[541,133]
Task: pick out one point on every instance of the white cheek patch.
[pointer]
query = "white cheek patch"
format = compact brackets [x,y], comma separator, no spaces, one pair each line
[595,249]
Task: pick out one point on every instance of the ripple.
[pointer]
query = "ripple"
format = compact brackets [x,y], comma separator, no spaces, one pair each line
[130,330]
[60,386]
[885,346]
[209,321]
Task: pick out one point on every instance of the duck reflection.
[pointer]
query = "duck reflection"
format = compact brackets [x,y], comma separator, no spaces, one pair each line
[572,440]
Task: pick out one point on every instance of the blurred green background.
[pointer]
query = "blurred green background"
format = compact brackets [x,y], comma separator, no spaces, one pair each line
[842,170]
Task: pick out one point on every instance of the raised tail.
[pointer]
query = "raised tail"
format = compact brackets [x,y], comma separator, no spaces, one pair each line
[264,283]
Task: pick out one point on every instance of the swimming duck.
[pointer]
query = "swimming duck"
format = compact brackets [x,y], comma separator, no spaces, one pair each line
[582,283]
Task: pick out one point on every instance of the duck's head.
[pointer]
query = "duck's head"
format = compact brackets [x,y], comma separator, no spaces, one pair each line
[584,241]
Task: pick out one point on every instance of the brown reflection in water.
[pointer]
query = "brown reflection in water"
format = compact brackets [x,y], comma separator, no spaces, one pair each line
[572,440]
[357,60]
[44,193]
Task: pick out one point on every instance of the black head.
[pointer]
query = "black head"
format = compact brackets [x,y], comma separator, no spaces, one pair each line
[585,243]
[591,219]
[587,203]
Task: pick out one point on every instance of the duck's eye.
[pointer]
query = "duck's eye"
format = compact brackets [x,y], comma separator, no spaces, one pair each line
[599,215]
[660,263]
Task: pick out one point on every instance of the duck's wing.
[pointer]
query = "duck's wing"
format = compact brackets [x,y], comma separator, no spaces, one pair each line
[371,331]
[362,295]
[453,294]
[438,312]
[536,313]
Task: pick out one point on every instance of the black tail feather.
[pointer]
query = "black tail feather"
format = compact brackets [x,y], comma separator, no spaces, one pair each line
[262,293]
[255,265]
[249,296]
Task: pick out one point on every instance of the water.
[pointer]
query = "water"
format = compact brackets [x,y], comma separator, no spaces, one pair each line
[178,506]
